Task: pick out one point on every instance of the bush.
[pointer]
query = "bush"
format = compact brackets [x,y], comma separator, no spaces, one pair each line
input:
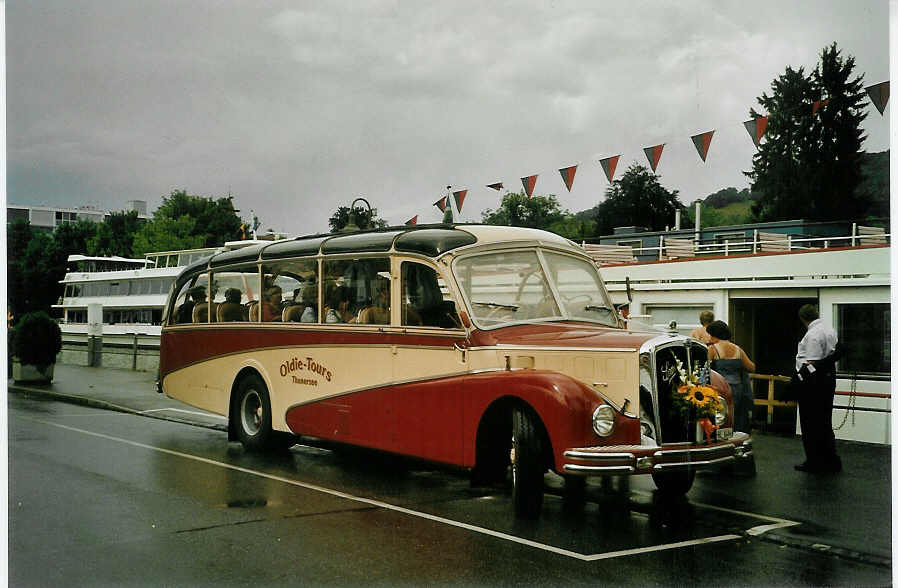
[36,340]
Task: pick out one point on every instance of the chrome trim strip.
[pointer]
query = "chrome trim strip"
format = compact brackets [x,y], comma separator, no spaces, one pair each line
[696,451]
[513,347]
[585,470]
[692,464]
[597,456]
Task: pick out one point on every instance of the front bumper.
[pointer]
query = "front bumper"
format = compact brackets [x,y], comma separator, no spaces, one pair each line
[640,459]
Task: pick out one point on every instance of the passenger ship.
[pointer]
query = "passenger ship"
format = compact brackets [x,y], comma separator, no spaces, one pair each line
[128,294]
[756,277]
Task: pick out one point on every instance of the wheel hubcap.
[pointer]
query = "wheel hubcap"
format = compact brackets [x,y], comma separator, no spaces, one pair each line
[251,413]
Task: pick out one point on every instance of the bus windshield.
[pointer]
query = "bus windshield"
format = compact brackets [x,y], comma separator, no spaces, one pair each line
[527,286]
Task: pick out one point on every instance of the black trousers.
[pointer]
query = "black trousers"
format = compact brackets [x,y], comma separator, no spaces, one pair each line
[815,406]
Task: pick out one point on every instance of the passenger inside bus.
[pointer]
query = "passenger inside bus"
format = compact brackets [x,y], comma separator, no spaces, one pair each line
[378,312]
[305,307]
[231,310]
[271,304]
[338,309]
[197,294]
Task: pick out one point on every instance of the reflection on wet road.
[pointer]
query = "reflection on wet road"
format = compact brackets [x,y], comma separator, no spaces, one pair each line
[348,517]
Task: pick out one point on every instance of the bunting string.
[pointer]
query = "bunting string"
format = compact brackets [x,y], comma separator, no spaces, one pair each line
[756,127]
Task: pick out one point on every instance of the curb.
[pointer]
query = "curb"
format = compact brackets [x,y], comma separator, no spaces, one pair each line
[104,405]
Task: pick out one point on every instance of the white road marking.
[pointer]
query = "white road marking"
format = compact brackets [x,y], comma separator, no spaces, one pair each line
[203,414]
[410,512]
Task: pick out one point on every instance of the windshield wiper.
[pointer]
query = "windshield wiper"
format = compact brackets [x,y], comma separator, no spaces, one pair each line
[594,307]
[511,307]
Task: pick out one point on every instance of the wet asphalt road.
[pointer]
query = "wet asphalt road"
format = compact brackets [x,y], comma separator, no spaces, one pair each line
[106,498]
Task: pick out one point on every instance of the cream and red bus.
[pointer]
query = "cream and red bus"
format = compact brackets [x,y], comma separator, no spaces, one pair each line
[495,349]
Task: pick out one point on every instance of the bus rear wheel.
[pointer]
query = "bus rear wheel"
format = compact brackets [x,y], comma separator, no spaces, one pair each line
[251,414]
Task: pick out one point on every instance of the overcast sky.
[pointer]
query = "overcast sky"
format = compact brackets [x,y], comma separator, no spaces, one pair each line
[296,108]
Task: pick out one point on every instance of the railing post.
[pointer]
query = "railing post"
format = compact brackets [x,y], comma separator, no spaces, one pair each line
[853,234]
[661,247]
[770,383]
[134,353]
[754,243]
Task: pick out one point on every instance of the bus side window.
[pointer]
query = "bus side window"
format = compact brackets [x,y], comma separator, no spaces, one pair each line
[234,292]
[187,298]
[425,299]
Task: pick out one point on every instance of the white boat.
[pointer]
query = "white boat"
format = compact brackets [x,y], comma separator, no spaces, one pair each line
[131,292]
[756,280]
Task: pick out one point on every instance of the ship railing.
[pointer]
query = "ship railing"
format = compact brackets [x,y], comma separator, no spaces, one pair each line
[761,242]
[776,396]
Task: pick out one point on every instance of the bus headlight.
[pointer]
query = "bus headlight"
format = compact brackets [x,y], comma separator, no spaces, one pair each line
[603,420]
[720,417]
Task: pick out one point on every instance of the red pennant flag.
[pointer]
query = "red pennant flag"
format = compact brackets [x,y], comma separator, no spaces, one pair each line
[497,186]
[879,95]
[441,204]
[567,174]
[609,164]
[654,154]
[756,128]
[702,141]
[818,104]
[412,221]
[459,198]
[529,183]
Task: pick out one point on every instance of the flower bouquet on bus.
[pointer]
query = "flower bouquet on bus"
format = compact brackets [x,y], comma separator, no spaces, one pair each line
[695,401]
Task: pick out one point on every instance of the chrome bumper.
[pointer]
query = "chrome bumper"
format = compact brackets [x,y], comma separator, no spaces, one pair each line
[638,459]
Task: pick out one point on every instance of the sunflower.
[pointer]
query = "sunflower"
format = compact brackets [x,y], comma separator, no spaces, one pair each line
[703,398]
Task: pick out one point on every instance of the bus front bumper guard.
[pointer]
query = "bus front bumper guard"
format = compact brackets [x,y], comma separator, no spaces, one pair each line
[637,459]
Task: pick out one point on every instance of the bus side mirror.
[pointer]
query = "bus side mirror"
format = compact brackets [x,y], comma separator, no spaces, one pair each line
[465,319]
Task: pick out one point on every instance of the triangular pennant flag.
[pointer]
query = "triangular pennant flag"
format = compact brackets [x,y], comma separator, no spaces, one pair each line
[702,141]
[412,221]
[529,183]
[756,128]
[567,174]
[441,204]
[497,186]
[459,198]
[654,154]
[879,95]
[818,104]
[609,164]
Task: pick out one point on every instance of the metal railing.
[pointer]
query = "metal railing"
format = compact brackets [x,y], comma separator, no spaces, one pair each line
[761,241]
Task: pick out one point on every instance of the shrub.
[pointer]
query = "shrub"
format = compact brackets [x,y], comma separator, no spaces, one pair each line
[37,339]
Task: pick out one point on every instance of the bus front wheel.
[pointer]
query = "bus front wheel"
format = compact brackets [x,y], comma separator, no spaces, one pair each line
[251,413]
[527,465]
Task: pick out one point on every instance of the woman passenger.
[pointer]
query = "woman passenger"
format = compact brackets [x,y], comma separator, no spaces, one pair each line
[731,362]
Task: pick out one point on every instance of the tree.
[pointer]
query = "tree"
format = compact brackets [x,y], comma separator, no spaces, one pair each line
[517,210]
[216,220]
[809,164]
[115,235]
[637,199]
[167,234]
[364,219]
[18,234]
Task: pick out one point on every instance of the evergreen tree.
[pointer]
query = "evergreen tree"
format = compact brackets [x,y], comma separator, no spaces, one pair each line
[808,165]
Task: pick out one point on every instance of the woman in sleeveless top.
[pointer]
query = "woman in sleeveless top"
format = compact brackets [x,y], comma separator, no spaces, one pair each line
[731,362]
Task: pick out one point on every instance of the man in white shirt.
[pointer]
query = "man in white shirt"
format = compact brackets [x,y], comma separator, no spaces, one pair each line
[816,377]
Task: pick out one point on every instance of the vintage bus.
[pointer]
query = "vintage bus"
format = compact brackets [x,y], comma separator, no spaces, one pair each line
[495,349]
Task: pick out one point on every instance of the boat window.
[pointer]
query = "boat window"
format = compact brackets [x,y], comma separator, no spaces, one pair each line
[357,291]
[234,292]
[865,330]
[580,288]
[298,284]
[425,299]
